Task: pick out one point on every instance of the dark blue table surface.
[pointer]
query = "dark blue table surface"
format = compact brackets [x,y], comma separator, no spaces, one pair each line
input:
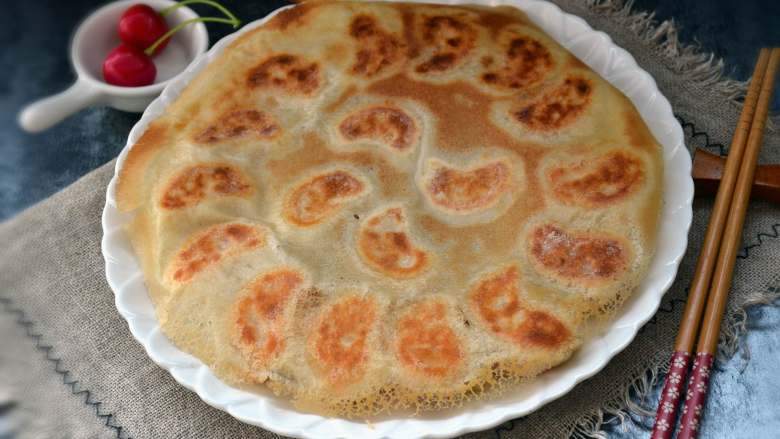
[34,38]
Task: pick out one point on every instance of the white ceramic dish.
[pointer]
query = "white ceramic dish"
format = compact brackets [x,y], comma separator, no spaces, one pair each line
[600,53]
[94,38]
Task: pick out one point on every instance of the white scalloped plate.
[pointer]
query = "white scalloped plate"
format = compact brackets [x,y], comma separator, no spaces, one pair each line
[594,48]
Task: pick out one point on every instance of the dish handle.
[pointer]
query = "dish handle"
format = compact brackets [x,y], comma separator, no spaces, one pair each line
[47,112]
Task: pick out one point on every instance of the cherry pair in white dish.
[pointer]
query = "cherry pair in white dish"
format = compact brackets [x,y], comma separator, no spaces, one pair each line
[95,37]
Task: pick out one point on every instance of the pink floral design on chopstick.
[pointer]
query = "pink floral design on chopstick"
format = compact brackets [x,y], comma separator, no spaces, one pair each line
[664,421]
[697,390]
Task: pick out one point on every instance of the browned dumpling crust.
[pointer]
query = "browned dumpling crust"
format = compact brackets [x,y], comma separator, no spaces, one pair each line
[376,206]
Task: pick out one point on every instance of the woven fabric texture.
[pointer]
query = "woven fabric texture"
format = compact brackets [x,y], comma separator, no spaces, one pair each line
[72,368]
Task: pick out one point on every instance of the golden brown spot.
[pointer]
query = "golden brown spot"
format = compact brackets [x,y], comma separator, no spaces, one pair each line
[470,189]
[340,341]
[378,49]
[438,63]
[317,199]
[543,330]
[527,63]
[212,245]
[426,344]
[497,302]
[384,243]
[602,181]
[557,108]
[259,323]
[388,125]
[234,124]
[191,185]
[291,16]
[583,256]
[496,20]
[287,72]
[451,40]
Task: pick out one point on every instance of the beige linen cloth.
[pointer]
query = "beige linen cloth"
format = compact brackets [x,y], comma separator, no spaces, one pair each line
[70,368]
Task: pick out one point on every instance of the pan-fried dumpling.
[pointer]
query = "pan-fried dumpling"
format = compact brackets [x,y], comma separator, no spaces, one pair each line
[376,206]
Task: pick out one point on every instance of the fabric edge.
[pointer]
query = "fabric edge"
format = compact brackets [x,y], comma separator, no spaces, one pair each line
[619,410]
[20,318]
[688,60]
[703,68]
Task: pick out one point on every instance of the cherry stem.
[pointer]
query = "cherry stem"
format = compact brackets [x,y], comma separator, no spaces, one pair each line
[150,50]
[222,9]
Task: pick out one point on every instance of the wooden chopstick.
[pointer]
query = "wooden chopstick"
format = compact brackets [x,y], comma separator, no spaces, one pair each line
[724,268]
[670,396]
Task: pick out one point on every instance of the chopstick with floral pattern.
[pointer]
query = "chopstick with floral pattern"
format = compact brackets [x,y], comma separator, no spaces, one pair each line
[724,269]
[754,109]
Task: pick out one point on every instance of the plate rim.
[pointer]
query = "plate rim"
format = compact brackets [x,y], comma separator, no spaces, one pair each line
[196,376]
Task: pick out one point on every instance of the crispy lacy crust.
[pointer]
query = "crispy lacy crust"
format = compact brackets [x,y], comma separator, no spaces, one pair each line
[376,206]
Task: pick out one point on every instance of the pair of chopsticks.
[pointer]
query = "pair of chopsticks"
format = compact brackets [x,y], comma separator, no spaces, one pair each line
[715,268]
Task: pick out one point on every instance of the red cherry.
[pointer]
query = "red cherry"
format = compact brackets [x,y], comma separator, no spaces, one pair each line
[128,66]
[140,26]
